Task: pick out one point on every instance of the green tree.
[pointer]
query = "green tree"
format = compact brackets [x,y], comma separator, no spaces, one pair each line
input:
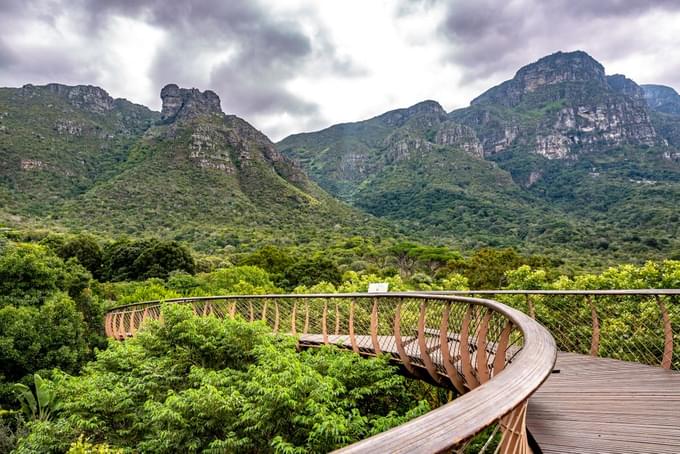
[486,268]
[160,258]
[313,270]
[40,339]
[404,254]
[88,252]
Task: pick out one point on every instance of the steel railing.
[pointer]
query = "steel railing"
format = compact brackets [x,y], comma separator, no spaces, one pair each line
[638,325]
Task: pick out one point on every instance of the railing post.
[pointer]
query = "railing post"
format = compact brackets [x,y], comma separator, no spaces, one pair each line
[465,358]
[530,306]
[324,320]
[422,345]
[352,337]
[107,325]
[514,431]
[667,358]
[502,348]
[337,319]
[121,325]
[451,371]
[595,339]
[306,327]
[406,361]
[374,327]
[482,366]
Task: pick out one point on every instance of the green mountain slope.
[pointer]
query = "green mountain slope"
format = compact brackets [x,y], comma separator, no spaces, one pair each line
[562,156]
[57,141]
[419,168]
[191,173]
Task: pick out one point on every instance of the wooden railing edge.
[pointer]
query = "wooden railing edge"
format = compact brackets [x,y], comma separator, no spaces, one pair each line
[469,413]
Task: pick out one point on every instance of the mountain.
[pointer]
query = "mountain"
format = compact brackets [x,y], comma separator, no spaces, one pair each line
[190,172]
[57,141]
[417,167]
[561,154]
[664,103]
[560,106]
[662,99]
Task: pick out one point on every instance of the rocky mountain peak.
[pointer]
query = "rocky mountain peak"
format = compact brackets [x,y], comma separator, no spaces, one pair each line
[622,84]
[553,69]
[86,97]
[559,67]
[662,98]
[428,107]
[574,107]
[425,109]
[185,103]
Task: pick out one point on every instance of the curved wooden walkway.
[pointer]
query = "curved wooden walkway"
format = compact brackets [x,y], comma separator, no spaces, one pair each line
[588,404]
[494,356]
[606,406]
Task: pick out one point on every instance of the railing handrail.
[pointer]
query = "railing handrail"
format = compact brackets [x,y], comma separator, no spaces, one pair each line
[620,292]
[462,418]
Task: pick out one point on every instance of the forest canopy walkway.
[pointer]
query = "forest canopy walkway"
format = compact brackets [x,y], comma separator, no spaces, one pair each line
[494,356]
[608,394]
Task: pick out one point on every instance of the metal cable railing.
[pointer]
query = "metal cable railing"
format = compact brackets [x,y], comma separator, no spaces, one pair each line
[638,325]
[494,356]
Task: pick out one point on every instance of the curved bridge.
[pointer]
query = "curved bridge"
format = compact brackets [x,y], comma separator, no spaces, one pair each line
[615,387]
[494,356]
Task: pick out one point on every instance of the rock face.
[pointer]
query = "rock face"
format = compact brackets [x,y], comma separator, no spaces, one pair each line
[358,160]
[460,136]
[662,99]
[558,107]
[425,113]
[183,103]
[551,70]
[623,85]
[221,142]
[57,141]
[85,97]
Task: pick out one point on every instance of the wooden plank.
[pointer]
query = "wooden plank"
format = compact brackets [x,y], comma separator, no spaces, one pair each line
[601,405]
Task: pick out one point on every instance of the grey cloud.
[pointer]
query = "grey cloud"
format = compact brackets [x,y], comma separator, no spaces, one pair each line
[487,37]
[254,90]
[7,57]
[266,50]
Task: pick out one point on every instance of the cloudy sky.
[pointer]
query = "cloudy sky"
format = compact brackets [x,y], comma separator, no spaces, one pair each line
[291,65]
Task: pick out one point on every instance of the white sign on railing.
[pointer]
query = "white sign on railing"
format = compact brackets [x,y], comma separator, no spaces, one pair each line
[378,287]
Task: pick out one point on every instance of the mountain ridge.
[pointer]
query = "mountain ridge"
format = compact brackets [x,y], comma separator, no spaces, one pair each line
[575,143]
[561,154]
[190,171]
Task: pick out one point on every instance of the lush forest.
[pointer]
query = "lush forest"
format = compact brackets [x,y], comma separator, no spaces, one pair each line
[202,384]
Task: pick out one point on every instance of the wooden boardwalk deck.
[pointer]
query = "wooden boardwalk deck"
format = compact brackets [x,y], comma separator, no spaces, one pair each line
[605,406]
[593,405]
